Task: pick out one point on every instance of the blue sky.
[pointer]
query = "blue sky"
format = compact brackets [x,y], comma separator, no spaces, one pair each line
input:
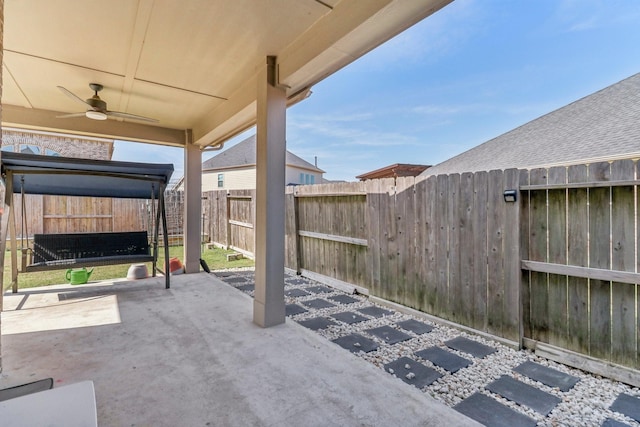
[470,72]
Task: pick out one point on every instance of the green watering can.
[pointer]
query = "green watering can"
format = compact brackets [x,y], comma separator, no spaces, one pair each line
[78,277]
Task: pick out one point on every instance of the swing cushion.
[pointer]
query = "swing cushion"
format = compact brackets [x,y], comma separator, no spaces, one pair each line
[54,251]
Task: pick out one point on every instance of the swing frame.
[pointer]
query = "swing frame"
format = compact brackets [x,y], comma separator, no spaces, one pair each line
[82,177]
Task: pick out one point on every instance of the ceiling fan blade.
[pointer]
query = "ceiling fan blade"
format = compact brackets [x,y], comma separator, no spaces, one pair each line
[73,96]
[68,116]
[130,116]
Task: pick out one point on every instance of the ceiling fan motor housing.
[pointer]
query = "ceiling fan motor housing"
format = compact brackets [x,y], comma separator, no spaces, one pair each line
[96,103]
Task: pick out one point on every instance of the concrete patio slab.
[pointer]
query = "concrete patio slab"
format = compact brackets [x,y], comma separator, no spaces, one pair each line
[191,355]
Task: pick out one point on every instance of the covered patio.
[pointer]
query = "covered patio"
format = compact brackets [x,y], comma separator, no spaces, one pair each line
[191,356]
[203,71]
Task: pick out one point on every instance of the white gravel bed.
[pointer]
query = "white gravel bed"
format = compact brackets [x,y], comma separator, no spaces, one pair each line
[585,404]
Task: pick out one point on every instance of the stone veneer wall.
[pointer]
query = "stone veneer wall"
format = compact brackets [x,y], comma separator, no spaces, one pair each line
[65,145]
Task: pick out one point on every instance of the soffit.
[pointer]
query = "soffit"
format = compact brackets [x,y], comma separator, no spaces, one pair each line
[190,64]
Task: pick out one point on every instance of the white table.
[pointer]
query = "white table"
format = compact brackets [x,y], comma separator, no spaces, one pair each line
[72,405]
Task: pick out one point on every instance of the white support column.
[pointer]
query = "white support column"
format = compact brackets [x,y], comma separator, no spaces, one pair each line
[192,206]
[268,302]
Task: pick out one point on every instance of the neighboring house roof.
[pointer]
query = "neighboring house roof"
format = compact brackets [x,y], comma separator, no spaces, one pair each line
[244,154]
[602,126]
[394,171]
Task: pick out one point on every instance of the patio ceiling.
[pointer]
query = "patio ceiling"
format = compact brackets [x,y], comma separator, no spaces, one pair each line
[190,64]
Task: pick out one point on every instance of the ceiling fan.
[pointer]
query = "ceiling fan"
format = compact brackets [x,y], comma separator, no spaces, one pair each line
[97,107]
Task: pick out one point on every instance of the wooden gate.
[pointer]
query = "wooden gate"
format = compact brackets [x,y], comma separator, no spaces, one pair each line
[580,259]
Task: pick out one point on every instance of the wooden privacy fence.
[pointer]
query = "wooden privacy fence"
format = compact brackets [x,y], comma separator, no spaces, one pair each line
[559,266]
[445,245]
[71,214]
[580,255]
[229,218]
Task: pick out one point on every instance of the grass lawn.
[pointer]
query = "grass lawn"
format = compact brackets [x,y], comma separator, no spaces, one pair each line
[215,259]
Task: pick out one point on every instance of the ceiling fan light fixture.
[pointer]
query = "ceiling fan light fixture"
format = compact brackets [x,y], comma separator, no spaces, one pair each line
[96,115]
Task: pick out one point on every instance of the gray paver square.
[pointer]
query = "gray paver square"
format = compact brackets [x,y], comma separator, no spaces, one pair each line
[547,376]
[344,299]
[610,422]
[296,281]
[388,334]
[415,326]
[235,279]
[444,359]
[318,303]
[472,347]
[247,288]
[349,317]
[627,405]
[319,289]
[296,292]
[492,413]
[293,309]
[317,323]
[524,394]
[374,311]
[412,372]
[355,343]
[223,274]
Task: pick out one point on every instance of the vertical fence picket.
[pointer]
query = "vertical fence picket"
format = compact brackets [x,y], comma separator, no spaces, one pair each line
[623,258]
[539,310]
[430,278]
[512,314]
[404,219]
[525,276]
[599,290]
[577,254]
[495,267]
[442,245]
[479,244]
[467,256]
[557,254]
[454,291]
[373,220]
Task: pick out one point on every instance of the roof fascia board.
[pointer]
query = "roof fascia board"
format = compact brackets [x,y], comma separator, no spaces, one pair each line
[345,35]
[322,36]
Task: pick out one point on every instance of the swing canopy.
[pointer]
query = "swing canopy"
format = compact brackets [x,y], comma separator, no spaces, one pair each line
[65,176]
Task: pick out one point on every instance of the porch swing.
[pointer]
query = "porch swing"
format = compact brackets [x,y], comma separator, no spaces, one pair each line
[34,174]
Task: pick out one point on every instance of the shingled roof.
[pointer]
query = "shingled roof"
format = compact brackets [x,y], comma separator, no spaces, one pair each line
[602,126]
[244,154]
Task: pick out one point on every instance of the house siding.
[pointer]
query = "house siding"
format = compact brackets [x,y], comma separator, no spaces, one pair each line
[293,175]
[235,179]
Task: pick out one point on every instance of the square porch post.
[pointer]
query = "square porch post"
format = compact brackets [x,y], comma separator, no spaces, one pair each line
[268,303]
[192,206]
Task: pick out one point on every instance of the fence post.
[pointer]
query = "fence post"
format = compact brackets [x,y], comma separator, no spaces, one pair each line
[227,223]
